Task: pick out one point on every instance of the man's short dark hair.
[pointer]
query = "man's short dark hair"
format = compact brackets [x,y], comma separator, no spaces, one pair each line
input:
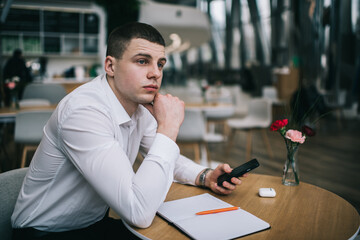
[121,36]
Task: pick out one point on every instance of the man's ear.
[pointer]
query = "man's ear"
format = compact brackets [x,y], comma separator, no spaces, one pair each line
[109,66]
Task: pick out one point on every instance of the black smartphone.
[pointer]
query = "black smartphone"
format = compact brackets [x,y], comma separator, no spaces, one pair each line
[238,171]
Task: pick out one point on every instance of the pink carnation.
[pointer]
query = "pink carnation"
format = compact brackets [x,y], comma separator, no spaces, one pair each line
[295,136]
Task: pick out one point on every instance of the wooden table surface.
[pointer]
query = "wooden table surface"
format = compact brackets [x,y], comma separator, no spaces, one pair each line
[209,105]
[302,212]
[11,112]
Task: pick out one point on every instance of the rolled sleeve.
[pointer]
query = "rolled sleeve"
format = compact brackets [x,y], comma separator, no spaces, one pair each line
[165,148]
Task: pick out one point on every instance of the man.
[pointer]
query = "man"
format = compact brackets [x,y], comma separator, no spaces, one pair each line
[83,164]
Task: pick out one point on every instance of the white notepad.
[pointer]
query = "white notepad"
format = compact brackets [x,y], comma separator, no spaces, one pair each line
[224,225]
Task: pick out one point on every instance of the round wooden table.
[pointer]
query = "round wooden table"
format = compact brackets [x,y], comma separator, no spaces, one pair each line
[302,212]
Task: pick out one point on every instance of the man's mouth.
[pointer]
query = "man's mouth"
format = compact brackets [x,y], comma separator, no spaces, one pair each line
[151,87]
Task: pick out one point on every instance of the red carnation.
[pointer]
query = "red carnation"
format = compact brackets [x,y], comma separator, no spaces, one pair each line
[278,124]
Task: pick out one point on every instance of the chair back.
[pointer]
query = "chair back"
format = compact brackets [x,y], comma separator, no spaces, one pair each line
[240,100]
[34,102]
[193,127]
[260,110]
[220,112]
[52,92]
[270,93]
[10,185]
[29,126]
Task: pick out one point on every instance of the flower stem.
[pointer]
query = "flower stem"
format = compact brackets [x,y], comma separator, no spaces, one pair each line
[292,150]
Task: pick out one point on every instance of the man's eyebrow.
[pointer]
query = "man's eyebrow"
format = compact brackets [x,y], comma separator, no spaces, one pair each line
[143,55]
[149,56]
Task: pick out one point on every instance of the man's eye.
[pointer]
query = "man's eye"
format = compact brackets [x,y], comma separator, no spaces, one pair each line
[161,64]
[142,61]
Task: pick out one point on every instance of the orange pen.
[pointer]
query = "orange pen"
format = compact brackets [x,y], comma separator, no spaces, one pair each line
[217,210]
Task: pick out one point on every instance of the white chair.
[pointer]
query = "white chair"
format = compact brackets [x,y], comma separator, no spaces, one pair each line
[217,116]
[10,185]
[29,130]
[192,132]
[52,92]
[34,102]
[270,93]
[240,100]
[259,117]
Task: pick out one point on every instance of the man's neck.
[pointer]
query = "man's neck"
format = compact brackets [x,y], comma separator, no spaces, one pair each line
[130,108]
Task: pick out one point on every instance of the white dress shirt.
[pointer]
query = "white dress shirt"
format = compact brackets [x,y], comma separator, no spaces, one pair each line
[83,165]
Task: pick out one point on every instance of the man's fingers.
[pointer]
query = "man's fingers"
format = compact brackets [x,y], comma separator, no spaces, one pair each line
[227,168]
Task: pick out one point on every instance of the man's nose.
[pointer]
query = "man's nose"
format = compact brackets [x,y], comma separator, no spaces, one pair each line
[154,72]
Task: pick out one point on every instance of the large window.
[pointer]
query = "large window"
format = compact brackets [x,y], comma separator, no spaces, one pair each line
[61,22]
[22,20]
[50,32]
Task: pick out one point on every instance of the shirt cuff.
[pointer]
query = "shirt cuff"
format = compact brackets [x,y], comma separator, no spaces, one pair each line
[186,170]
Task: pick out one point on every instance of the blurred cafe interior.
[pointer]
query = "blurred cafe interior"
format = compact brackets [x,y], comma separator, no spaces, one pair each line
[239,65]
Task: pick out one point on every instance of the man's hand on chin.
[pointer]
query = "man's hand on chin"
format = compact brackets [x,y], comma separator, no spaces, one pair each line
[169,112]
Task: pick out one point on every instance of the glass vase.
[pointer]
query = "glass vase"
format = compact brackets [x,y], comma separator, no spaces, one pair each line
[291,176]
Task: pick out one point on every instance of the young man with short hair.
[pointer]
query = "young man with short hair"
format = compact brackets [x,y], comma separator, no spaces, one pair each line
[83,164]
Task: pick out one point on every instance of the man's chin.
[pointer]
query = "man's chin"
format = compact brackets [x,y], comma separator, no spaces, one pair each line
[147,100]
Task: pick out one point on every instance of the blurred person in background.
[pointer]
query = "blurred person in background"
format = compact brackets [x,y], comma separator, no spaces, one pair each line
[15,76]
